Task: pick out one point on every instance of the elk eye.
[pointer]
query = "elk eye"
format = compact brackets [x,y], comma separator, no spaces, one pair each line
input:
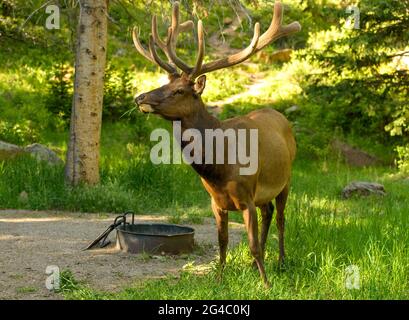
[179,91]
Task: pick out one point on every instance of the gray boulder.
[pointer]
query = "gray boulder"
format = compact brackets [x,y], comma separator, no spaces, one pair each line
[9,151]
[36,150]
[42,153]
[363,188]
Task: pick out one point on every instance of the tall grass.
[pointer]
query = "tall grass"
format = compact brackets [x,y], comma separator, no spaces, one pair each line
[132,185]
[324,233]
[324,236]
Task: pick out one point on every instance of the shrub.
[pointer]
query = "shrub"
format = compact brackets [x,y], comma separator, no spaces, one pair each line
[403,158]
[352,80]
[60,91]
[117,92]
[19,133]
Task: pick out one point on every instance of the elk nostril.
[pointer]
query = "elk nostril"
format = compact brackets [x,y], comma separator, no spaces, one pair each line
[140,98]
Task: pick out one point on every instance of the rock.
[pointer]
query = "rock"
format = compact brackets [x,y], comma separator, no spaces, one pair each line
[363,188]
[38,151]
[23,197]
[8,150]
[42,153]
[353,156]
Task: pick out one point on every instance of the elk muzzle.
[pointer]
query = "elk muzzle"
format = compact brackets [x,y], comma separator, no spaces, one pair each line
[144,105]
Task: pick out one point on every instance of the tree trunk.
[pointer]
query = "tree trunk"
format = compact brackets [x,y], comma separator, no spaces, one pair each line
[85,131]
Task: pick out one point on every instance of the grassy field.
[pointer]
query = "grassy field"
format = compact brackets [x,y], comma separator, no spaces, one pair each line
[324,236]
[324,233]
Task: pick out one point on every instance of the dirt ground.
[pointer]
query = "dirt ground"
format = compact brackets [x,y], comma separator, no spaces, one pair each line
[32,240]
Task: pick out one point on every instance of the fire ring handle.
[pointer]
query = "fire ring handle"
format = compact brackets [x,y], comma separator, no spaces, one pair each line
[101,239]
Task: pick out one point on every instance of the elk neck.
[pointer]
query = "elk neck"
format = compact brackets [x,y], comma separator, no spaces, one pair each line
[202,120]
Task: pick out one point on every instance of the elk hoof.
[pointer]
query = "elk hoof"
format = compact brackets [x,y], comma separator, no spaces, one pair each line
[219,277]
[267,285]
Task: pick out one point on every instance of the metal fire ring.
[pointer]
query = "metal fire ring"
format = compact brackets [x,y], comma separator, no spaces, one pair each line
[153,238]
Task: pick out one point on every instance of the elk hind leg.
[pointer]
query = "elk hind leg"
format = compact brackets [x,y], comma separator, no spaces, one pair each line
[281,201]
[266,217]
[250,219]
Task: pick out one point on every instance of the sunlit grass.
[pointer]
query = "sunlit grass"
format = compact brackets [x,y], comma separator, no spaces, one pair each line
[325,235]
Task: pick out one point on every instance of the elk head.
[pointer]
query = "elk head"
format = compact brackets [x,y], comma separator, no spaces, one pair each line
[181,97]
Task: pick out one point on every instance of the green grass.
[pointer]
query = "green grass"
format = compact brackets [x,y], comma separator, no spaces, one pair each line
[137,185]
[324,235]
[26,290]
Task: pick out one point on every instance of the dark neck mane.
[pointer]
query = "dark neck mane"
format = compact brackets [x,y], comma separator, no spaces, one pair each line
[202,120]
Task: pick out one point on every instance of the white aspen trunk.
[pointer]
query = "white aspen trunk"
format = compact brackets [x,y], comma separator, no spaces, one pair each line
[84,143]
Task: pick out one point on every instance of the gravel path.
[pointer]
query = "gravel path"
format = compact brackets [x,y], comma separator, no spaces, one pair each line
[32,240]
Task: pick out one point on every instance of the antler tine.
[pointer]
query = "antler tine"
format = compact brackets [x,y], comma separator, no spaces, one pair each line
[201,50]
[176,27]
[276,30]
[172,54]
[185,26]
[152,54]
[235,58]
[175,24]
[139,46]
[170,69]
[173,32]
[155,35]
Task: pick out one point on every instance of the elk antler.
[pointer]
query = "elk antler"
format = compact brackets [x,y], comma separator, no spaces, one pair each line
[275,31]
[152,55]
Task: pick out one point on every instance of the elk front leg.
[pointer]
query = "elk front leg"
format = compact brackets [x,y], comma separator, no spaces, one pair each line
[250,219]
[222,230]
[281,201]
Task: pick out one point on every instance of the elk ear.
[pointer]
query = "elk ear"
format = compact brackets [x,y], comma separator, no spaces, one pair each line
[173,76]
[200,84]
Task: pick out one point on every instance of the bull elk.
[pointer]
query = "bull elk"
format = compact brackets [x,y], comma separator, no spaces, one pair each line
[180,100]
